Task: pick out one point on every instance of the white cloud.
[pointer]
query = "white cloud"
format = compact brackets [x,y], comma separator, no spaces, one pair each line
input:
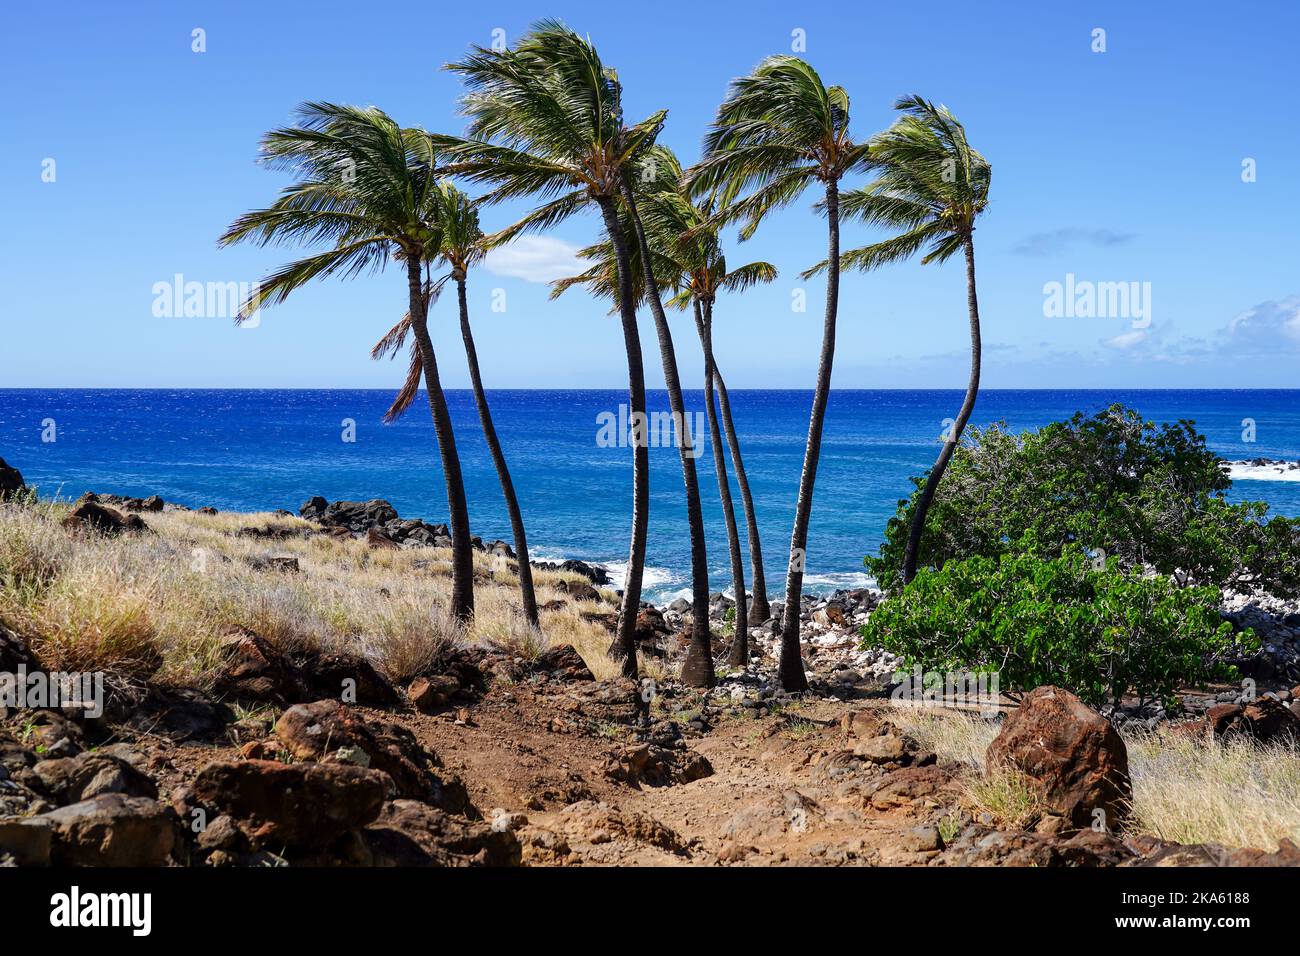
[535,259]
[1127,340]
[1267,328]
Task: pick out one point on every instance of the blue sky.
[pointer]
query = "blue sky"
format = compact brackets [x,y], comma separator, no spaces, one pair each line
[1121,166]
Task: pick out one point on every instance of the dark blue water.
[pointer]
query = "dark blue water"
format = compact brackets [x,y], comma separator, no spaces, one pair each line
[254,449]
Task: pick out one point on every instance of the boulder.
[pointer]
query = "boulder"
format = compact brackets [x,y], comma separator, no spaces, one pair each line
[408,833]
[430,694]
[1264,719]
[337,675]
[1072,756]
[178,714]
[14,653]
[255,670]
[89,515]
[650,624]
[11,481]
[593,573]
[332,732]
[578,590]
[563,662]
[297,805]
[111,829]
[27,841]
[656,766]
[74,779]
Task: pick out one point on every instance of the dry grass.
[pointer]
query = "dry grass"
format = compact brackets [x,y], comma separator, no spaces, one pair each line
[1238,794]
[162,601]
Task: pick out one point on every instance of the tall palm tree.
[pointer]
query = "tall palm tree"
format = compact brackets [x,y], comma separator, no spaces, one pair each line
[933,185]
[460,244]
[779,130]
[546,120]
[697,669]
[685,233]
[687,258]
[365,185]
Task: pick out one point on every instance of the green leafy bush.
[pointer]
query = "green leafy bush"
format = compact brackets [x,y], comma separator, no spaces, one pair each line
[1147,495]
[1098,631]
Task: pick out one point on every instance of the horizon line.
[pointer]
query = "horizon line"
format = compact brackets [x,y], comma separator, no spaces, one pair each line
[621,388]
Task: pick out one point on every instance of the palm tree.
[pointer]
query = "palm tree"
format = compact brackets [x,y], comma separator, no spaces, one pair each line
[779,130]
[688,239]
[365,185]
[932,185]
[546,120]
[460,244]
[687,258]
[697,669]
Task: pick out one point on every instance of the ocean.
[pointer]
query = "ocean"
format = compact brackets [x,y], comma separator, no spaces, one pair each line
[265,449]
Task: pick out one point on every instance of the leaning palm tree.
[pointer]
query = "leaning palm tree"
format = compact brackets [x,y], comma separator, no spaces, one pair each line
[932,185]
[685,236]
[692,266]
[460,244]
[779,130]
[364,185]
[546,120]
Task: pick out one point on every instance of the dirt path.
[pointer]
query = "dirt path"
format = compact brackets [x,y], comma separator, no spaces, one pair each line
[785,788]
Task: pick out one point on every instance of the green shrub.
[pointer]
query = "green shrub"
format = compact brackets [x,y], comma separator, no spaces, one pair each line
[1098,631]
[1150,496]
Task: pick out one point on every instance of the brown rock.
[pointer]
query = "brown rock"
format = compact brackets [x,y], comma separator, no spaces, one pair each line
[338,675]
[1210,854]
[27,841]
[429,694]
[74,779]
[1265,719]
[330,731]
[300,805]
[255,670]
[908,785]
[564,663]
[408,833]
[89,515]
[14,653]
[885,748]
[112,830]
[656,766]
[1073,757]
[1219,717]
[377,539]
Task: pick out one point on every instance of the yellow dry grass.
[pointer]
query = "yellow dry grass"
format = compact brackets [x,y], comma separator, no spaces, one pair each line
[165,599]
[1185,790]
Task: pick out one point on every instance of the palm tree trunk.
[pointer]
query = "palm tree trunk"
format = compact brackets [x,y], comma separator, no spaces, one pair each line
[759,610]
[739,655]
[462,554]
[950,446]
[625,640]
[791,668]
[526,593]
[697,669]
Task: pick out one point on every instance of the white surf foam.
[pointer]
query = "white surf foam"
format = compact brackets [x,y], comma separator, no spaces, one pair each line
[1280,471]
